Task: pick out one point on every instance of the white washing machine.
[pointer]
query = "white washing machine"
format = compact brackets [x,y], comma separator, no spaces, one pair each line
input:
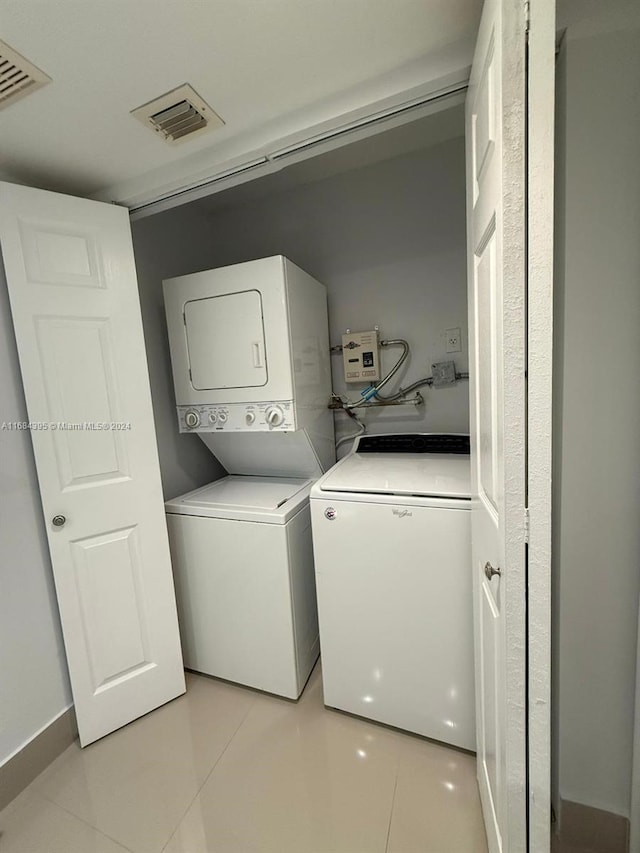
[391,532]
[244,581]
[250,355]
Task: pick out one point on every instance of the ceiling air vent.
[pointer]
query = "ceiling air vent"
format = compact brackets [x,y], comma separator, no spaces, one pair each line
[18,77]
[178,115]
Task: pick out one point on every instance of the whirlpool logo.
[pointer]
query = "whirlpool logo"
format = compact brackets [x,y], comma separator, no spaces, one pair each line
[401,512]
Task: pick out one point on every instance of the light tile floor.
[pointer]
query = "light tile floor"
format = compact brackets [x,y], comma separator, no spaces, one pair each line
[224,769]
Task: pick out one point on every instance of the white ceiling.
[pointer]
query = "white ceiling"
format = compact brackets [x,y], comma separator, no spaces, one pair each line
[269,68]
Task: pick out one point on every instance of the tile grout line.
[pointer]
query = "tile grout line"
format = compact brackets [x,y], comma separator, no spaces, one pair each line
[393,803]
[191,802]
[206,779]
[81,819]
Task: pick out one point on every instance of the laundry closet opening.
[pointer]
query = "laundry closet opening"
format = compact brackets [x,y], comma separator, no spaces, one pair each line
[380,222]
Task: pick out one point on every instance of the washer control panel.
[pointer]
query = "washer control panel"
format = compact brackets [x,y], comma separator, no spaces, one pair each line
[238,417]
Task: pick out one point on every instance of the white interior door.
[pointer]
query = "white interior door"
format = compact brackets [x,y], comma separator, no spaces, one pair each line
[71,277]
[496,191]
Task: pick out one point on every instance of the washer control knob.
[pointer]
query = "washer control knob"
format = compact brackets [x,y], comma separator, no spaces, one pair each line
[222,418]
[192,419]
[274,415]
[250,418]
[212,417]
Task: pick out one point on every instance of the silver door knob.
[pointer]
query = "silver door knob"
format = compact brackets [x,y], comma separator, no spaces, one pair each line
[490,571]
[58,520]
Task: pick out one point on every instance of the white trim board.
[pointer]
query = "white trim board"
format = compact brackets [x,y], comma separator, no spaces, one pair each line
[540,219]
[634,837]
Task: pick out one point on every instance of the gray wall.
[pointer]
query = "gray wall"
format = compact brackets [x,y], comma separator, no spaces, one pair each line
[388,241]
[34,685]
[170,244]
[597,482]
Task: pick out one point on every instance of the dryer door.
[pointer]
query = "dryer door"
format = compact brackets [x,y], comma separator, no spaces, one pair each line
[225,341]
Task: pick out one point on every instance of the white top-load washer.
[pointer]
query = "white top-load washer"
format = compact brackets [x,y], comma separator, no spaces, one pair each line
[391,527]
[250,355]
[246,596]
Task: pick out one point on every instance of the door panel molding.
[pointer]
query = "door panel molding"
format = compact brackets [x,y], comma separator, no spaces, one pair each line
[76,313]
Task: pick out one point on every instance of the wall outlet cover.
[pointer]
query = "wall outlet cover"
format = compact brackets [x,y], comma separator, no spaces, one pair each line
[454,340]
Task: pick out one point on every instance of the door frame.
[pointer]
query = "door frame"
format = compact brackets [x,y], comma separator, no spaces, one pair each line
[540,213]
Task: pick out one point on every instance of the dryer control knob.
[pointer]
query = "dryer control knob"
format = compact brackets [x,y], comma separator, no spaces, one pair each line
[192,419]
[213,418]
[274,415]
[250,418]
[222,417]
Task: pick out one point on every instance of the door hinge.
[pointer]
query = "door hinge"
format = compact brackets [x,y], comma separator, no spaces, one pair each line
[190,376]
[526,525]
[184,318]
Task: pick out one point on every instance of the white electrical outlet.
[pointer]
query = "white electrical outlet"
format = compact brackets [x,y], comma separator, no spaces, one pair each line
[454,340]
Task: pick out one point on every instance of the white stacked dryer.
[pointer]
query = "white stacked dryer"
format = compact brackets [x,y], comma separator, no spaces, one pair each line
[250,355]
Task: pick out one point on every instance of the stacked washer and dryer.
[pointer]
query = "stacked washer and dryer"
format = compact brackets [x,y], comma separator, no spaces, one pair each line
[391,529]
[250,356]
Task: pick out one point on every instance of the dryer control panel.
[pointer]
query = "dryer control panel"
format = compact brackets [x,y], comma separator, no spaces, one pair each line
[275,415]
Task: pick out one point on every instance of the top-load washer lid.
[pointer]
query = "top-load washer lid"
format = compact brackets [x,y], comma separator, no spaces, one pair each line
[429,472]
[272,500]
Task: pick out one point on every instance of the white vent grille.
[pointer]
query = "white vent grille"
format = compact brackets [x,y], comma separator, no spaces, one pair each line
[18,76]
[177,115]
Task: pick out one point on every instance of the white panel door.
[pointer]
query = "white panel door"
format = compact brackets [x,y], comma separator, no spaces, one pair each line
[496,232]
[74,299]
[509,125]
